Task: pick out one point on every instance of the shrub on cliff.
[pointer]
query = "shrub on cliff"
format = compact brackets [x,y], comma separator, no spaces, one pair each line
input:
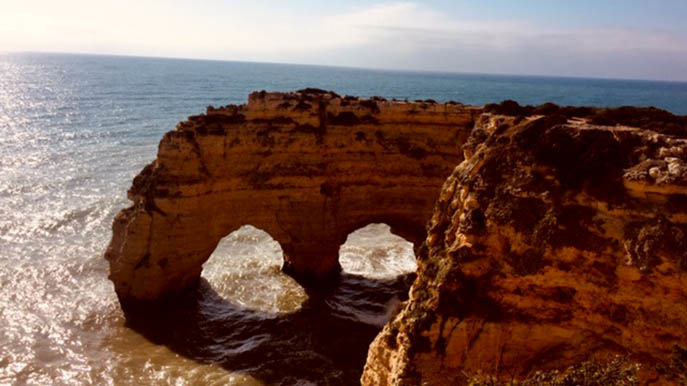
[615,372]
[676,370]
[649,118]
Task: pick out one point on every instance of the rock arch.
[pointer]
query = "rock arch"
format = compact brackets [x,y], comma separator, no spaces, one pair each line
[307,167]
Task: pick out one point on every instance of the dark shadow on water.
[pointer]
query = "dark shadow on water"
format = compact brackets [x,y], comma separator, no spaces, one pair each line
[318,343]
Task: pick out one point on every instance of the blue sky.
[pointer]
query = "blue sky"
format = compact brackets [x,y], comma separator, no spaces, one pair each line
[616,39]
[667,14]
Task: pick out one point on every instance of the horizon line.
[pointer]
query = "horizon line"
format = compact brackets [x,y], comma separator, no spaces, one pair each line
[380,69]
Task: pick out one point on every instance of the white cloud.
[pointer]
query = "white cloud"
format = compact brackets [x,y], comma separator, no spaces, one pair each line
[402,35]
[410,20]
[408,35]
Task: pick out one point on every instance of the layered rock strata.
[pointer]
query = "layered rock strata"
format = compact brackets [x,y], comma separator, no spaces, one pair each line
[555,240]
[307,167]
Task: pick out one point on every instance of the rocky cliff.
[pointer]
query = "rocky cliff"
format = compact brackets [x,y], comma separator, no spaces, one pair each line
[307,167]
[556,240]
[561,234]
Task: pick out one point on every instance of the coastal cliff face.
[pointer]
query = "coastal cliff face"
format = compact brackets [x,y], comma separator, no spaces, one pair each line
[560,236]
[554,241]
[307,167]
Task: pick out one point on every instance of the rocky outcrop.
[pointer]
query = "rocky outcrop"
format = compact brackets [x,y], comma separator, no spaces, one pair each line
[307,167]
[555,240]
[561,234]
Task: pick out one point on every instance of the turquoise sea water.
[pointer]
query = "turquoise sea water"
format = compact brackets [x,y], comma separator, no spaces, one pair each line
[75,130]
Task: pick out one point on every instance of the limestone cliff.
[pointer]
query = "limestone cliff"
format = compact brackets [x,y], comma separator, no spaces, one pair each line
[307,167]
[555,240]
[561,234]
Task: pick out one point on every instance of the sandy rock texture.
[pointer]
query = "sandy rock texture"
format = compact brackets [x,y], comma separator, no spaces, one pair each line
[555,240]
[307,167]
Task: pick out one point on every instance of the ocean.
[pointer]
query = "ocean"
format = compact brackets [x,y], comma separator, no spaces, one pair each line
[76,129]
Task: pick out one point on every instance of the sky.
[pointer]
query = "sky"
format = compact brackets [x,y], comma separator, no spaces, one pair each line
[629,39]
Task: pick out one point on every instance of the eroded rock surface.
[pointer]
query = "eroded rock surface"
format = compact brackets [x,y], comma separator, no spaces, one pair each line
[307,167]
[554,241]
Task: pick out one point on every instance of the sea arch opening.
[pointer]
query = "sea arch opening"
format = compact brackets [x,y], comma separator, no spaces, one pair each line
[237,317]
[375,252]
[377,270]
[245,270]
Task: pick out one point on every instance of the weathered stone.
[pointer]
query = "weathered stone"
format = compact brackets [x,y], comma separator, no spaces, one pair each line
[307,167]
[554,240]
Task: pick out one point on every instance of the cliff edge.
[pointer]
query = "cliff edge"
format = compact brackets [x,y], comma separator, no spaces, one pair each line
[558,239]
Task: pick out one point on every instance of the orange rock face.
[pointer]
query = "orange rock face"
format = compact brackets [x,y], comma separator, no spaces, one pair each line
[558,236]
[553,241]
[307,167]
